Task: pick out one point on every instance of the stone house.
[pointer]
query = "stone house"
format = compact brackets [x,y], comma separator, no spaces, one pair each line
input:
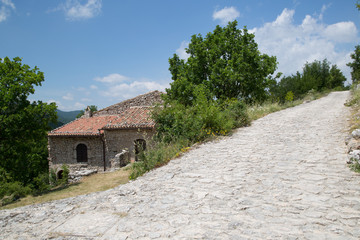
[105,139]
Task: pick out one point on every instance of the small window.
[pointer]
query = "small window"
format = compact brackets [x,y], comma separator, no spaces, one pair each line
[60,174]
[81,153]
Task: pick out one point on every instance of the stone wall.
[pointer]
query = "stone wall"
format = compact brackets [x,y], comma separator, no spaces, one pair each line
[62,150]
[117,140]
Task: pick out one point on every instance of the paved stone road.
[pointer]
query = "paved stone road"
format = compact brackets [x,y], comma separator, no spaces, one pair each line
[285,177]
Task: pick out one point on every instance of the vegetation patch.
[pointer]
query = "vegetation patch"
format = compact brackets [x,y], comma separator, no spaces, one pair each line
[89,184]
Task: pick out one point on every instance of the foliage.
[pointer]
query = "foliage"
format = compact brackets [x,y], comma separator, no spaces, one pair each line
[158,154]
[53,178]
[41,184]
[23,124]
[88,184]
[227,63]
[316,76]
[289,96]
[355,65]
[175,120]
[354,165]
[65,175]
[23,129]
[12,191]
[93,108]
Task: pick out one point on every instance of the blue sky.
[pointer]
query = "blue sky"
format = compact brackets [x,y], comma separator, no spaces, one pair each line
[100,52]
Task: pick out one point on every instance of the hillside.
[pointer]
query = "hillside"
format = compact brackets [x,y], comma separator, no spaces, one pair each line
[64,117]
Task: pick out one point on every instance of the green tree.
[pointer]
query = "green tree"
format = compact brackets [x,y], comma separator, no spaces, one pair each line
[227,62]
[23,124]
[317,75]
[93,108]
[355,65]
[337,78]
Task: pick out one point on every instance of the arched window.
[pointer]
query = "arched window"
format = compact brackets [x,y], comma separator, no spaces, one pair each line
[81,153]
[140,145]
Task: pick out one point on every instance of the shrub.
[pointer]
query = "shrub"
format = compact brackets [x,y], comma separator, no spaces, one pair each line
[41,184]
[194,122]
[65,175]
[12,191]
[52,177]
[158,154]
[289,96]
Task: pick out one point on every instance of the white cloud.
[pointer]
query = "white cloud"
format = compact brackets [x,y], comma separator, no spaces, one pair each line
[94,87]
[181,52]
[86,99]
[128,90]
[225,15]
[294,45]
[323,9]
[6,7]
[79,9]
[68,97]
[79,105]
[58,104]
[112,79]
[341,32]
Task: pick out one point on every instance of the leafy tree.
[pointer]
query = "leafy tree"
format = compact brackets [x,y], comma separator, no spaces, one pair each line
[227,63]
[93,108]
[355,65]
[23,124]
[317,76]
[337,78]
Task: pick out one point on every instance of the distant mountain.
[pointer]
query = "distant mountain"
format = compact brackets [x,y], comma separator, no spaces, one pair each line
[64,117]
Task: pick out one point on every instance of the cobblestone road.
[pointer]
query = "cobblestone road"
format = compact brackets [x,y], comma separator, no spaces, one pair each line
[285,177]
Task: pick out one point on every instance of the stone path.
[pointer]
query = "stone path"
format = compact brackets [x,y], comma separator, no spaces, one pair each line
[285,177]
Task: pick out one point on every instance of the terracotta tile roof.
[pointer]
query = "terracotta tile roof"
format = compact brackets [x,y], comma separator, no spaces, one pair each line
[147,99]
[135,117]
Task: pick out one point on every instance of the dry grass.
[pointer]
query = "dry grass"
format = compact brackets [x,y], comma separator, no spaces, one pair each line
[354,103]
[93,183]
[259,111]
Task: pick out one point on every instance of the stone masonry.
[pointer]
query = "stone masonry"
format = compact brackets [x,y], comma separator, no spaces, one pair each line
[284,177]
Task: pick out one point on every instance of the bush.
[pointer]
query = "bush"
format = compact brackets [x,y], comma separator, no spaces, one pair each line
[52,177]
[195,122]
[65,175]
[159,153]
[10,192]
[289,96]
[41,184]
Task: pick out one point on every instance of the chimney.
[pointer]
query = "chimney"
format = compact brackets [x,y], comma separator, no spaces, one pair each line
[88,113]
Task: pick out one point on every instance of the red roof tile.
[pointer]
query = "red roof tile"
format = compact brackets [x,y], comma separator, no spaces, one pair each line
[136,117]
